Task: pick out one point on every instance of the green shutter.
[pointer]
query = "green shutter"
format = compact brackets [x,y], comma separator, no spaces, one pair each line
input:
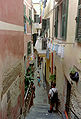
[64,18]
[29,12]
[24,9]
[78,20]
[56,22]
[44,24]
[29,48]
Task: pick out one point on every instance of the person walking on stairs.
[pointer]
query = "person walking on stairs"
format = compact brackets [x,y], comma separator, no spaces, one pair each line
[53,97]
[38,78]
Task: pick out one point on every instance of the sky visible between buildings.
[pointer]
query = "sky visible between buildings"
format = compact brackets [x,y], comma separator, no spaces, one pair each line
[35,1]
[36,6]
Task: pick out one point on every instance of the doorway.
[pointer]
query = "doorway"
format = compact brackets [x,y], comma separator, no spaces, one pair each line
[68,96]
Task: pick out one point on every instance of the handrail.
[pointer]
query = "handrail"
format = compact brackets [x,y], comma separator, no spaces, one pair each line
[72,111]
[27,92]
[66,116]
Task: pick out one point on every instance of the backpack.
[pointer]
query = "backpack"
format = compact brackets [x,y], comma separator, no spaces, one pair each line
[54,98]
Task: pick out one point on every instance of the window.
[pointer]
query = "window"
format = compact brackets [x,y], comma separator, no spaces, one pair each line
[64,7]
[30,13]
[48,23]
[56,22]
[28,48]
[61,13]
[78,32]
[25,27]
[36,19]
[44,24]
[30,17]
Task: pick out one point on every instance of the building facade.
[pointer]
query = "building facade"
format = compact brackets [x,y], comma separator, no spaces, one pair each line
[67,34]
[27,32]
[48,32]
[11,59]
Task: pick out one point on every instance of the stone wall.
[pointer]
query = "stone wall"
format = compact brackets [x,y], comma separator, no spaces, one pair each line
[12,97]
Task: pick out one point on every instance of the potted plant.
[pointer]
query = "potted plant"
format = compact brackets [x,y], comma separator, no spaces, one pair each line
[74,75]
[52,77]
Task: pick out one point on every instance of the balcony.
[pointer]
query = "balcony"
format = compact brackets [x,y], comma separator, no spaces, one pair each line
[36,26]
[41,46]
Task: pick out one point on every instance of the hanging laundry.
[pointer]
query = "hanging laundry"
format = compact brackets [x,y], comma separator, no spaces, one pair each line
[56,48]
[53,47]
[47,53]
[59,50]
[62,51]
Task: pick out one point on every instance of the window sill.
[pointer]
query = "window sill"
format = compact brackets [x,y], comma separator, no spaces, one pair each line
[61,39]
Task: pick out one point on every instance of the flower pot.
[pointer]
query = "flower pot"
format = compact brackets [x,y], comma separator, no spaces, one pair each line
[74,76]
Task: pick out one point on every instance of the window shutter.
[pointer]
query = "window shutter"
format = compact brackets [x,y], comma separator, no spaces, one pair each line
[44,24]
[29,48]
[56,22]
[25,29]
[24,9]
[78,32]
[64,18]
[48,23]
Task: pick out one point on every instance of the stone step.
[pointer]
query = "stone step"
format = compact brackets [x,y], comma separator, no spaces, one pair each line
[41,112]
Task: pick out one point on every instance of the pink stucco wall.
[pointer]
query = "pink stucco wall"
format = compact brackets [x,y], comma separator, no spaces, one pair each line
[28,35]
[11,54]
[11,11]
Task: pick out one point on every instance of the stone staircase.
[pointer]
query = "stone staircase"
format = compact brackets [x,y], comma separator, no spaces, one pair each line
[41,112]
[40,108]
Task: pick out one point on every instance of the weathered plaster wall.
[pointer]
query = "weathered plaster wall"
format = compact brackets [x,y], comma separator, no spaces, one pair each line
[11,58]
[49,14]
[60,82]
[72,56]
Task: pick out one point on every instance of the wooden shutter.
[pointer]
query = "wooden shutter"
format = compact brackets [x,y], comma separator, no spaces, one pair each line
[78,33]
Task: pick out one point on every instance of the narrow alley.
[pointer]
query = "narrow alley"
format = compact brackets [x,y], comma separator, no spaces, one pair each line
[40,108]
[40,59]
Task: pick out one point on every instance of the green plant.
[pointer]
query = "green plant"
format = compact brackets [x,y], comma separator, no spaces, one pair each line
[52,77]
[72,71]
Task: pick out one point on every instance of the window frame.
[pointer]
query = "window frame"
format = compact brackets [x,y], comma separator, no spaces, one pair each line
[28,48]
[78,38]
[63,30]
[64,18]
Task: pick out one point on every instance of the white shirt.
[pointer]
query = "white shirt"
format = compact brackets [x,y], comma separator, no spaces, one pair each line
[51,92]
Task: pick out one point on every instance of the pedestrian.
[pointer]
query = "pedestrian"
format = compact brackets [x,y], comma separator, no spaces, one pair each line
[38,78]
[53,97]
[33,89]
[32,93]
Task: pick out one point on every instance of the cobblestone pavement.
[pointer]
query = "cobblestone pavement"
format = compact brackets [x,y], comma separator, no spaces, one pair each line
[40,108]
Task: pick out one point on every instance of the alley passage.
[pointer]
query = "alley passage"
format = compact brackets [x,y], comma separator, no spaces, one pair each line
[40,108]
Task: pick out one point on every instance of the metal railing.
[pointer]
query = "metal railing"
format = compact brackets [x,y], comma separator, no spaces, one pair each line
[76,117]
[65,116]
